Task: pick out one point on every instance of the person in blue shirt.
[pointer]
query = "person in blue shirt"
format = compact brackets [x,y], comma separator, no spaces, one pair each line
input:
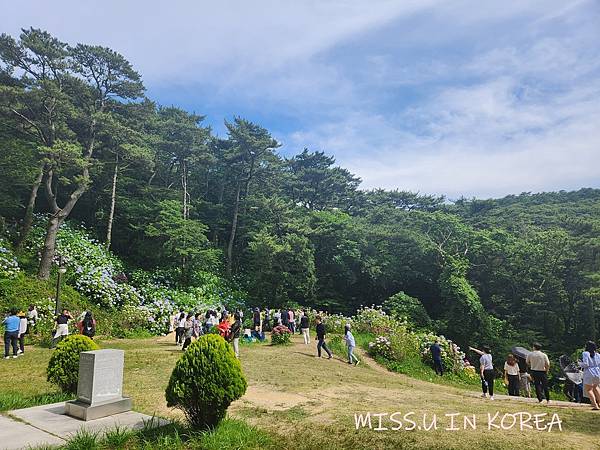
[350,343]
[436,355]
[11,333]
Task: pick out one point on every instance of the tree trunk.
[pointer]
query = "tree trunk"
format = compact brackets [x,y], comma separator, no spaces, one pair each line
[49,247]
[28,219]
[113,201]
[233,230]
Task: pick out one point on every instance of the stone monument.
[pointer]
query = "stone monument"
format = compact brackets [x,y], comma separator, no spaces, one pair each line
[100,386]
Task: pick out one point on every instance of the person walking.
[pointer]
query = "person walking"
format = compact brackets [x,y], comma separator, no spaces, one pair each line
[234,334]
[511,375]
[62,326]
[188,331]
[436,355]
[11,333]
[590,363]
[320,328]
[180,329]
[305,328]
[539,364]
[88,325]
[350,343]
[486,370]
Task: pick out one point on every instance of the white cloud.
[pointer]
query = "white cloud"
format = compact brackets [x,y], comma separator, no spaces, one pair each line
[463,97]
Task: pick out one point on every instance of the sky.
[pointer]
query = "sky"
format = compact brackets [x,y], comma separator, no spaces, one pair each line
[461,98]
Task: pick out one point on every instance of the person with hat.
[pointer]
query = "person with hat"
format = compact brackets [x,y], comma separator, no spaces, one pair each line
[22,331]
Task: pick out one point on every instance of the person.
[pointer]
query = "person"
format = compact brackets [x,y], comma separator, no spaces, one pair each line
[511,375]
[436,355]
[62,326]
[320,328]
[180,329]
[486,371]
[188,331]
[590,363]
[539,364]
[291,321]
[234,334]
[350,343]
[88,325]
[22,332]
[285,318]
[224,328]
[305,327]
[32,316]
[197,326]
[11,333]
[256,320]
[267,320]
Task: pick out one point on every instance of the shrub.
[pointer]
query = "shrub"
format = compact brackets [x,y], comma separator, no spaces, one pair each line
[381,346]
[63,367]
[205,380]
[9,268]
[281,335]
[410,308]
[452,356]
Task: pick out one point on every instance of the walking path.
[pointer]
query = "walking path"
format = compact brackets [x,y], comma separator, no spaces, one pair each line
[48,425]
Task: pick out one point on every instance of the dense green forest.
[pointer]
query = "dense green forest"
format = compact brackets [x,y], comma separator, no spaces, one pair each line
[80,142]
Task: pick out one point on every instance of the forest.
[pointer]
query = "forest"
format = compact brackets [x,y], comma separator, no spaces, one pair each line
[81,143]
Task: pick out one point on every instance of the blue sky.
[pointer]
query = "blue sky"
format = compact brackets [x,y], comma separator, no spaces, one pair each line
[456,97]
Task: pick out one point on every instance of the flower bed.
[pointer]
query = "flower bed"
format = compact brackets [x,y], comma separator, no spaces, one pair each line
[281,335]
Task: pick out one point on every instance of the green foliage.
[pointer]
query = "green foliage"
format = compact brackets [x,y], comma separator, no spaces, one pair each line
[182,239]
[9,267]
[205,380]
[63,367]
[452,356]
[281,335]
[402,305]
[16,400]
[282,268]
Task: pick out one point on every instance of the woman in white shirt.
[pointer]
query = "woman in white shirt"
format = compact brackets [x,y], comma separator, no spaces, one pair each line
[590,362]
[511,375]
[486,371]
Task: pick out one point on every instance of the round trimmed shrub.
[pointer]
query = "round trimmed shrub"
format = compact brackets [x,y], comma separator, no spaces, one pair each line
[63,367]
[205,380]
[281,335]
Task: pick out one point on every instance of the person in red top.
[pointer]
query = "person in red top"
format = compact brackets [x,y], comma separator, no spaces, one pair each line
[223,328]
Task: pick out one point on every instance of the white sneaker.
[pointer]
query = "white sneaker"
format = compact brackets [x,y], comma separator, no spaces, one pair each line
[15,356]
[492,397]
[7,357]
[19,352]
[483,395]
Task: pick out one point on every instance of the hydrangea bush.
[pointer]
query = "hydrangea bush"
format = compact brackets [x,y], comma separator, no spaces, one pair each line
[9,268]
[147,300]
[281,335]
[452,356]
[381,346]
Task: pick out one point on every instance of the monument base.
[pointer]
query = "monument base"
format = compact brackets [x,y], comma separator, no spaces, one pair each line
[85,411]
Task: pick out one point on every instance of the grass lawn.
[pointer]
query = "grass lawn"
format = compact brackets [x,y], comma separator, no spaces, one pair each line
[295,400]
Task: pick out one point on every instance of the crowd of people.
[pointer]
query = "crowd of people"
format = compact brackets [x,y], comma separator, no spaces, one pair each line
[17,324]
[518,371]
[188,326]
